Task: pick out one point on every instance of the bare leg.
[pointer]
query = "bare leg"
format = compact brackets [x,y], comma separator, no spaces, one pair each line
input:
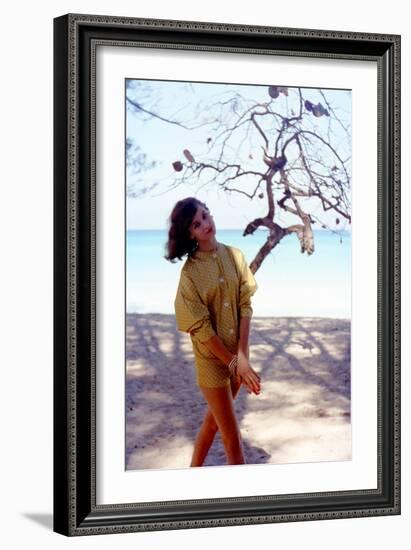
[208,429]
[220,401]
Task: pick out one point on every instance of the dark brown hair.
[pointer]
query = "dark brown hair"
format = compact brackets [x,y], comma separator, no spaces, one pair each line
[179,242]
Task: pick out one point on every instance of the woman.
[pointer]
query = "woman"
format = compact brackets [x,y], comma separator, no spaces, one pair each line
[213,305]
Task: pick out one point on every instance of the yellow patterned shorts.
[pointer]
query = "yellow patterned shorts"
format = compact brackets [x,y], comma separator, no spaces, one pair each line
[212,374]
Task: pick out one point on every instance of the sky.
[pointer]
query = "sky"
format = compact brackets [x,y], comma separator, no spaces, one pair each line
[164,143]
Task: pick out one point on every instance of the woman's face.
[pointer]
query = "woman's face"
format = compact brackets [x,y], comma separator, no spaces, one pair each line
[202,228]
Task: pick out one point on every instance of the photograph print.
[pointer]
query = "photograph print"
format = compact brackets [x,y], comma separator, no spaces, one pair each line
[238,274]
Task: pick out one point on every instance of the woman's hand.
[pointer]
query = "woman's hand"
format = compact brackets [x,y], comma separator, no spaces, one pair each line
[247,374]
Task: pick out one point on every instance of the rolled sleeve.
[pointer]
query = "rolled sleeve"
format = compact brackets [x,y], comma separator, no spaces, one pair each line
[192,314]
[248,287]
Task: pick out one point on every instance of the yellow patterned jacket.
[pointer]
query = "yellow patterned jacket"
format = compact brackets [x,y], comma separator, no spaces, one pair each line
[214,292]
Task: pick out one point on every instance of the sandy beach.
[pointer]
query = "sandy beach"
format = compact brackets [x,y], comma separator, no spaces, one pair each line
[301,415]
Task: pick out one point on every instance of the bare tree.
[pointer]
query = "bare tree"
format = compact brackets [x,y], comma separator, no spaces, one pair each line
[137,164]
[291,151]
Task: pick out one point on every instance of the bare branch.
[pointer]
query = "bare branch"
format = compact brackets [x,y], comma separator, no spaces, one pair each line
[139,107]
[307,155]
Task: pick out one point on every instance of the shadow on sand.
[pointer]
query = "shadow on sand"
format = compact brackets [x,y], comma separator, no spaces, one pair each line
[304,364]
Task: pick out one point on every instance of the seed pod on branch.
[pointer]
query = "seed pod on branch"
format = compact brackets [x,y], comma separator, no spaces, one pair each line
[319,110]
[283,90]
[188,155]
[273,92]
[308,105]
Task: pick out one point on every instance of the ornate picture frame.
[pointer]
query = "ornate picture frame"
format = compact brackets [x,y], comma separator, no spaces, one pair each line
[77,38]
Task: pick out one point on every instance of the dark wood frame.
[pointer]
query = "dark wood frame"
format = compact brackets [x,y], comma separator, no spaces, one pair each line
[75,41]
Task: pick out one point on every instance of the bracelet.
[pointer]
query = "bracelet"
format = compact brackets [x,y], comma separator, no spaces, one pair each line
[232,366]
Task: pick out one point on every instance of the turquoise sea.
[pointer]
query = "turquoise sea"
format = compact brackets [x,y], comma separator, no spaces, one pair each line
[289,283]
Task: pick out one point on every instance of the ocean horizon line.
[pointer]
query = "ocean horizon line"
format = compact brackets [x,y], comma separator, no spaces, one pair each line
[290,284]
